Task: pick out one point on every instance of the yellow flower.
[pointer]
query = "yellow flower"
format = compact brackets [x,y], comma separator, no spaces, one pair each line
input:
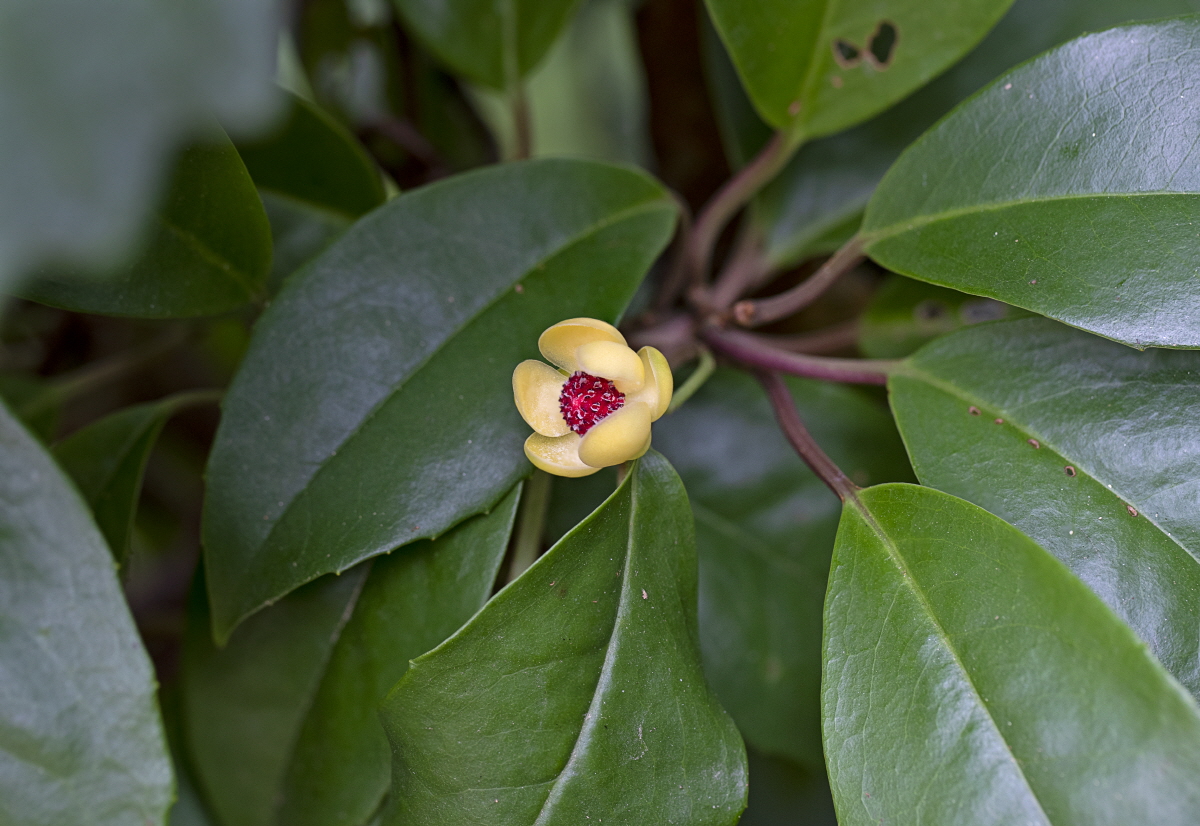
[595,410]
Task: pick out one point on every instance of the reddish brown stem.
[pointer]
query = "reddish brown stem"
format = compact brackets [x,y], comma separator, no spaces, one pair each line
[766,310]
[801,440]
[757,351]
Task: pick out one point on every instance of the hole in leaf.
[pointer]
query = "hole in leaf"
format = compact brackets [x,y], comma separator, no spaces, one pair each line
[846,53]
[881,46]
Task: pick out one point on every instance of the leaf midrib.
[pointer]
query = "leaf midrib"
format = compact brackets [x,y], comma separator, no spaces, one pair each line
[592,229]
[872,236]
[897,559]
[910,370]
[240,279]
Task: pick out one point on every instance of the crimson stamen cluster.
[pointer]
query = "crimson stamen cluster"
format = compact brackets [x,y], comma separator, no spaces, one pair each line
[586,399]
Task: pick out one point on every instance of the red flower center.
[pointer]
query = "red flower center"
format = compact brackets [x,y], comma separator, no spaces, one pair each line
[586,399]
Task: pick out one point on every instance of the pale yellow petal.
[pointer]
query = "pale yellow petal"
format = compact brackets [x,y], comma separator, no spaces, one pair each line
[645,447]
[536,388]
[559,343]
[559,456]
[612,361]
[659,385]
[616,438]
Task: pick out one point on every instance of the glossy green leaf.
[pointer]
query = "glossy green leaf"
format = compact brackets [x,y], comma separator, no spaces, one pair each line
[830,181]
[283,721]
[312,159]
[209,250]
[764,532]
[375,406]
[94,100]
[493,42]
[904,314]
[588,98]
[299,232]
[819,66]
[80,736]
[1092,221]
[970,678]
[107,459]
[1114,429]
[576,693]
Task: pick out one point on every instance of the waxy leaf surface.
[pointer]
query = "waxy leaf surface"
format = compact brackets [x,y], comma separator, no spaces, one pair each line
[970,678]
[1114,430]
[283,722]
[493,42]
[576,693]
[80,736]
[94,100]
[764,533]
[374,406]
[819,198]
[818,66]
[107,459]
[1070,187]
[209,249]
[312,159]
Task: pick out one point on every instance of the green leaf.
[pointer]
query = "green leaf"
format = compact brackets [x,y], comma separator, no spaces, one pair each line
[283,722]
[830,181]
[1122,422]
[1092,221]
[312,159]
[970,678]
[375,407]
[764,532]
[588,98]
[107,460]
[792,57]
[209,250]
[577,692]
[489,42]
[299,232]
[80,736]
[904,314]
[94,100]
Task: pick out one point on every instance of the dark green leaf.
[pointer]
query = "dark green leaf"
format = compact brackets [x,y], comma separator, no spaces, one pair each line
[588,98]
[816,67]
[283,721]
[1091,222]
[764,532]
[577,692]
[107,459]
[492,43]
[375,404]
[23,392]
[904,314]
[299,231]
[1115,429]
[970,678]
[209,250]
[313,160]
[80,736]
[95,97]
[830,181]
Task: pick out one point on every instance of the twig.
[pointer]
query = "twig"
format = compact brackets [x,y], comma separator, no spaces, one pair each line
[801,440]
[766,310]
[757,351]
[406,136]
[826,340]
[736,193]
[747,268]
[695,381]
[531,523]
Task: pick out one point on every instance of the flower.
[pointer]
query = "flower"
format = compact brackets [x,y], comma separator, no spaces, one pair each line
[595,410]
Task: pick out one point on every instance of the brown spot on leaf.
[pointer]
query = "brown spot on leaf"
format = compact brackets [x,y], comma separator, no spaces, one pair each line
[973,410]
[1132,510]
[997,420]
[1036,444]
[846,54]
[1070,471]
